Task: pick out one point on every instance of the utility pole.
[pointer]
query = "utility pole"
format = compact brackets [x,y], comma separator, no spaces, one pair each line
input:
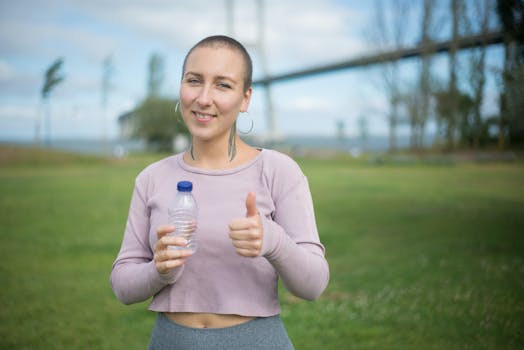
[107,72]
[230,17]
[259,46]
[273,133]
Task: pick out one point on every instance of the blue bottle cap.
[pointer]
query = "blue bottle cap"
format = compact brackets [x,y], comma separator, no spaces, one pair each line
[184,186]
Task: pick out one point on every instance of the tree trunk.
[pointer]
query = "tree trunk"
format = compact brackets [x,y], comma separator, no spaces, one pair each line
[425,77]
[480,73]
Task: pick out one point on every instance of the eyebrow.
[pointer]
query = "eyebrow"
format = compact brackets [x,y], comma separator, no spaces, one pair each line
[220,77]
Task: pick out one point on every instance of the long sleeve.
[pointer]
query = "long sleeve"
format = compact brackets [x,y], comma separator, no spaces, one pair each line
[134,277]
[292,245]
[216,279]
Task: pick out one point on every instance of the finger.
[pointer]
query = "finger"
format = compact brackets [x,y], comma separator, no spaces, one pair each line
[166,241]
[251,204]
[171,254]
[240,224]
[175,254]
[164,230]
[244,235]
[167,265]
[249,245]
[171,264]
[245,223]
[248,253]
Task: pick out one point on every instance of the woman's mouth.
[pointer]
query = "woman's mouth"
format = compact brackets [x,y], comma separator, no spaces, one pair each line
[203,117]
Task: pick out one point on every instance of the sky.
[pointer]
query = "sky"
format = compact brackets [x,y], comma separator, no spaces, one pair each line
[297,34]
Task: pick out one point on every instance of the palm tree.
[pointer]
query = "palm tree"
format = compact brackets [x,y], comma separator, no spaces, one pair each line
[51,79]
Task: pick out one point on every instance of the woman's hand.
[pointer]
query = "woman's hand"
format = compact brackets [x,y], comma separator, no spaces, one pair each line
[166,259]
[247,233]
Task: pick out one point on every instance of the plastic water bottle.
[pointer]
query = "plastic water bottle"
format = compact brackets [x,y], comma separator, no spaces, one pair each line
[183,215]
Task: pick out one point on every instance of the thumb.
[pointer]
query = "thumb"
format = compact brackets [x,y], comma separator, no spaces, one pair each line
[251,204]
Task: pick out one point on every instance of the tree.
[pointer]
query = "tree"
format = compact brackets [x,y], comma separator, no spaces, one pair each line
[156,75]
[480,22]
[52,78]
[467,127]
[389,31]
[421,114]
[158,123]
[155,118]
[363,131]
[449,99]
[456,108]
[511,15]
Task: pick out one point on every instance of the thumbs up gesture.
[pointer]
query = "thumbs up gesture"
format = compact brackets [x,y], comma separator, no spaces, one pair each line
[246,233]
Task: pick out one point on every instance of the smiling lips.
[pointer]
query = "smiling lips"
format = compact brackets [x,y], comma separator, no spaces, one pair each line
[202,117]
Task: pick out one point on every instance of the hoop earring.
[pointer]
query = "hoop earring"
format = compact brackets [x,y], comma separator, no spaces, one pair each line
[232,147]
[178,114]
[250,129]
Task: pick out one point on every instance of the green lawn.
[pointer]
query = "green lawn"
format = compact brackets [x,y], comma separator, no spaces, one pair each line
[421,256]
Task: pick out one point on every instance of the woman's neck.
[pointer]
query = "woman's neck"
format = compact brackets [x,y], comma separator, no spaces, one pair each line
[218,154]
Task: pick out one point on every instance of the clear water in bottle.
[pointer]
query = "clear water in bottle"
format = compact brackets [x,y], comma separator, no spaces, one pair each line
[183,215]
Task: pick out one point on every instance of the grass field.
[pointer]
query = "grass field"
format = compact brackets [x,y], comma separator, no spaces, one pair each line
[421,256]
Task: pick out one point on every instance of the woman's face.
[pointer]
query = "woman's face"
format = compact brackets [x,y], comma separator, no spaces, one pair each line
[212,92]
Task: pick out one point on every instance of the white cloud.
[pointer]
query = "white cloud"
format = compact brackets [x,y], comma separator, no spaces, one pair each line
[6,71]
[47,39]
[297,33]
[14,82]
[178,23]
[309,103]
[17,112]
[306,29]
[310,32]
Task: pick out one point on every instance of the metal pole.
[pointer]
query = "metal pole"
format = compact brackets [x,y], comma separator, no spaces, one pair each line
[270,115]
[230,19]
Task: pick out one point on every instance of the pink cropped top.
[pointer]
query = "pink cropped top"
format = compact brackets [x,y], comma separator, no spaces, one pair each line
[216,279]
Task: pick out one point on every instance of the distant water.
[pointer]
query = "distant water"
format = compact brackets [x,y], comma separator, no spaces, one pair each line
[371,144]
[89,146]
[298,144]
[355,146]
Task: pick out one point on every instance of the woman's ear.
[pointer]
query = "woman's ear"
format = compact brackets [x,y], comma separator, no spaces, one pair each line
[245,101]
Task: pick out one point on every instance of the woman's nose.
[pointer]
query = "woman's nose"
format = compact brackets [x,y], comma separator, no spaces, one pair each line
[204,96]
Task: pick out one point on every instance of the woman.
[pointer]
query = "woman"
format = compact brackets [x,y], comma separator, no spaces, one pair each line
[256,222]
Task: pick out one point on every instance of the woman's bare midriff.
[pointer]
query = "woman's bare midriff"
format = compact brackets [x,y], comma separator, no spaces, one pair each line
[201,320]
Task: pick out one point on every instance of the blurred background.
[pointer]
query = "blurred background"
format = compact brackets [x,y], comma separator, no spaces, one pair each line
[341,75]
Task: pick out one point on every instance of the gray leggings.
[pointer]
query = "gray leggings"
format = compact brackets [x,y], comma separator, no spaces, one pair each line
[263,333]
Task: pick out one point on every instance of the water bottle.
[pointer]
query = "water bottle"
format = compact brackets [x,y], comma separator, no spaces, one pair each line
[183,215]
